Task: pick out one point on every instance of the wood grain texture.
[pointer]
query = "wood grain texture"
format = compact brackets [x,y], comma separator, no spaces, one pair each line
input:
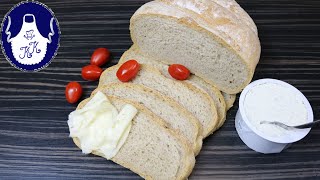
[34,142]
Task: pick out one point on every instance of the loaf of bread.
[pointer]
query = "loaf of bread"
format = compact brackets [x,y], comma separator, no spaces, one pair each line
[134,53]
[176,116]
[214,42]
[195,100]
[151,150]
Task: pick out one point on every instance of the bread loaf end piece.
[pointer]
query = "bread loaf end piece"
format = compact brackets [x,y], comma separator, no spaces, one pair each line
[218,50]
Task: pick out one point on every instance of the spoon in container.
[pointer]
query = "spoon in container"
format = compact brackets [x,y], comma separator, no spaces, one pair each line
[284,126]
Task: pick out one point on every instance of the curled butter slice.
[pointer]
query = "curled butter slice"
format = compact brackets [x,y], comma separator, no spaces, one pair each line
[99,127]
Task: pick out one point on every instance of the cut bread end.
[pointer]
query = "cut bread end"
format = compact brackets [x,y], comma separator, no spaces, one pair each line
[210,58]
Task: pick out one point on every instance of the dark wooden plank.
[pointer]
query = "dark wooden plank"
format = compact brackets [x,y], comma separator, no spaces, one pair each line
[34,141]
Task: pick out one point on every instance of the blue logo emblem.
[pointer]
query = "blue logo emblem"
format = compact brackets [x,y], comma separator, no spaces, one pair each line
[30,36]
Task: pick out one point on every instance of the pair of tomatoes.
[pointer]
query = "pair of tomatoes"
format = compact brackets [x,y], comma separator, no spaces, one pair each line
[90,72]
[93,71]
[129,70]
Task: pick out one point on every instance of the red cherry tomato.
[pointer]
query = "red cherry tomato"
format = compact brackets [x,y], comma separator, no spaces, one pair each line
[100,57]
[128,70]
[91,72]
[73,92]
[179,71]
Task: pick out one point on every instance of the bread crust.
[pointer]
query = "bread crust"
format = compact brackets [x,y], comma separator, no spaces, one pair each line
[230,99]
[237,10]
[189,160]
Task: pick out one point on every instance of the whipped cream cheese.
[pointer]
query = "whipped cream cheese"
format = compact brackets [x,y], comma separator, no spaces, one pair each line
[274,102]
[99,127]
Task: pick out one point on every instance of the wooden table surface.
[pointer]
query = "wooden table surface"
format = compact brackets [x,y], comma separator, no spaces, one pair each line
[34,142]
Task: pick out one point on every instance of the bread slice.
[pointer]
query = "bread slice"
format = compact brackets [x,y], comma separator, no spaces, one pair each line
[216,96]
[230,99]
[151,150]
[133,53]
[193,99]
[202,35]
[176,116]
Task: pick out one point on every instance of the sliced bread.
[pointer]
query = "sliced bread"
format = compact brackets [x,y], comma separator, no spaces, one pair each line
[133,53]
[195,100]
[176,116]
[215,94]
[151,150]
[202,35]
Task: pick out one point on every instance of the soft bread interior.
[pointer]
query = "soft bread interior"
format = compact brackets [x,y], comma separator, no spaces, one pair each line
[151,150]
[173,41]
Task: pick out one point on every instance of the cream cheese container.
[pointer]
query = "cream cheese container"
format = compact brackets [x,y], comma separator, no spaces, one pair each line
[271,100]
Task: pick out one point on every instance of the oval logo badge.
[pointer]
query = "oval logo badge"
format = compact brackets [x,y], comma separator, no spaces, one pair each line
[30,36]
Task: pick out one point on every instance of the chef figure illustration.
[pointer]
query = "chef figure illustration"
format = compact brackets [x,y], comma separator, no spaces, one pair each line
[30,49]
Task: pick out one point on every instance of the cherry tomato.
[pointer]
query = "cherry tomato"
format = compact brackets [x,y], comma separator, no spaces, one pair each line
[91,72]
[179,71]
[73,92]
[128,70]
[100,57]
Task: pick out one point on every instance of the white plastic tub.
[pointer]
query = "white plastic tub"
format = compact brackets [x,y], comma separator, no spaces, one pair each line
[258,141]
